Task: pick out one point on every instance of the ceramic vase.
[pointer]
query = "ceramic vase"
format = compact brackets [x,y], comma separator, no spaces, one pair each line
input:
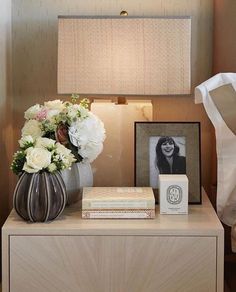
[40,197]
[80,175]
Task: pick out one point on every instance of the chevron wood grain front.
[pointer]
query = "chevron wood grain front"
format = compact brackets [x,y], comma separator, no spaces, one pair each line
[112,263]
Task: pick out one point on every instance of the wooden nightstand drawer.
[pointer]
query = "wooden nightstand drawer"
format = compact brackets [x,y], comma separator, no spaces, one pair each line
[112,263]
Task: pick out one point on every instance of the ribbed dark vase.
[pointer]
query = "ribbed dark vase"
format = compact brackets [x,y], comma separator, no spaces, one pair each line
[40,197]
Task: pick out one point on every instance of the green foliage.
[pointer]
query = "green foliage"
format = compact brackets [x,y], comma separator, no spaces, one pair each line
[85,103]
[49,129]
[27,145]
[18,162]
[74,151]
[74,97]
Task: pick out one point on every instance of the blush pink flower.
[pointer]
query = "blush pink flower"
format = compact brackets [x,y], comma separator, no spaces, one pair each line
[42,115]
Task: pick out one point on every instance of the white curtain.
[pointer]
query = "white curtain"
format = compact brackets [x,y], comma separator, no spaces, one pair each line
[226,147]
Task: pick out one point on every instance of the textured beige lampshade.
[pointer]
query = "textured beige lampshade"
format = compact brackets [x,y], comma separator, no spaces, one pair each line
[124,55]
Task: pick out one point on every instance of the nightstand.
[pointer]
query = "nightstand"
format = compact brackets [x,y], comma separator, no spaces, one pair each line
[168,253]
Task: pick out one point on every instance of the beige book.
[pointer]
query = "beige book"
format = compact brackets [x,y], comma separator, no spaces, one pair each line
[118,214]
[102,198]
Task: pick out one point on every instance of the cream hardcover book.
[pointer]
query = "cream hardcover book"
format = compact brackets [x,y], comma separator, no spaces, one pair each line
[119,214]
[118,202]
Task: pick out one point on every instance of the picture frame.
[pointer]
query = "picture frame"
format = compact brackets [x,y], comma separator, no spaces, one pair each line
[184,137]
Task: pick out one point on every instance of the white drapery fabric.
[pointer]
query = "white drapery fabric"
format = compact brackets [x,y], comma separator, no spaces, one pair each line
[226,150]
[225,144]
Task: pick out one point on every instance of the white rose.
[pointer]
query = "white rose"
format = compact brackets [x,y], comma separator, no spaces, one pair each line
[44,143]
[54,105]
[65,155]
[61,149]
[36,159]
[32,128]
[32,112]
[52,113]
[26,140]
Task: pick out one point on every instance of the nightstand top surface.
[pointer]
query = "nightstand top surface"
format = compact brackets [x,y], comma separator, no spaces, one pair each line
[201,220]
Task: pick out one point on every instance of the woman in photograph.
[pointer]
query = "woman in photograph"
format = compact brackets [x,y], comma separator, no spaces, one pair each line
[168,159]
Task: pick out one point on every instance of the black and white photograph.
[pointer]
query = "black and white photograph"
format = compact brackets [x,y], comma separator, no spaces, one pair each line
[168,148]
[167,155]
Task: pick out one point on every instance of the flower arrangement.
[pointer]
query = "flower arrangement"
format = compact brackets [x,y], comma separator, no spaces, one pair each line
[41,154]
[68,123]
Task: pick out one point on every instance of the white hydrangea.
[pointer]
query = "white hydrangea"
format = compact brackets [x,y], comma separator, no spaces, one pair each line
[32,128]
[26,140]
[90,151]
[88,135]
[32,112]
[36,159]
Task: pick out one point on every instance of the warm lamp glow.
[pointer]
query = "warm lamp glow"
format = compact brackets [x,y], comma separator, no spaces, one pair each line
[115,165]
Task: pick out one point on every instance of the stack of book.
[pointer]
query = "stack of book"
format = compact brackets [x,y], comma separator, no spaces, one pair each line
[118,202]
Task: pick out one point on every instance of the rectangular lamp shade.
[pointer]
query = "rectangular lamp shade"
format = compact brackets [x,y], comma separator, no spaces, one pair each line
[124,55]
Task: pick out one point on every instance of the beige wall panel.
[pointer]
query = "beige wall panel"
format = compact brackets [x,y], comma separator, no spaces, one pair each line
[224,36]
[35,54]
[5,109]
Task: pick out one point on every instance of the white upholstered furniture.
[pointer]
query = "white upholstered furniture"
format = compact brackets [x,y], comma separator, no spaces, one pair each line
[169,253]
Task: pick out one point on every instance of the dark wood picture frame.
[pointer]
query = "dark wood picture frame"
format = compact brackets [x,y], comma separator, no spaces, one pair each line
[192,133]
